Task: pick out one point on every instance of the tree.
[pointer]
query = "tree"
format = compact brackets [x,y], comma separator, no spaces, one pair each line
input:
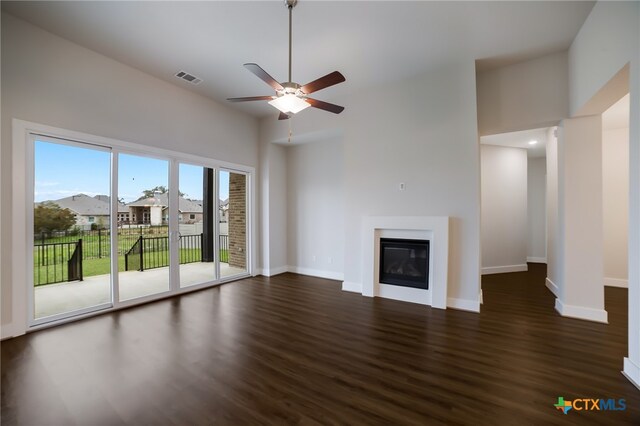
[160,189]
[49,216]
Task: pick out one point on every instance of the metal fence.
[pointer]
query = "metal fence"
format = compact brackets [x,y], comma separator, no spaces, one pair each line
[97,242]
[57,262]
[149,253]
[58,256]
[224,248]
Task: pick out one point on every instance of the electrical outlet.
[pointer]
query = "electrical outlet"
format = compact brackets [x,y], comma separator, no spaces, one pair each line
[401,187]
[330,260]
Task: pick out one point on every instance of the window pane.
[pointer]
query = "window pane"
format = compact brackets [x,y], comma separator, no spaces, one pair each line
[196,245]
[143,233]
[71,254]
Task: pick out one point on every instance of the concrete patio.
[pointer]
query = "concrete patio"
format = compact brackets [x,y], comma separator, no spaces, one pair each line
[54,299]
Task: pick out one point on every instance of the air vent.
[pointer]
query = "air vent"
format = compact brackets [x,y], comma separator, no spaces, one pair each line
[188,77]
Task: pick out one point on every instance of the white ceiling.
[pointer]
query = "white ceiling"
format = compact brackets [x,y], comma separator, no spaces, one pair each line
[521,140]
[370,42]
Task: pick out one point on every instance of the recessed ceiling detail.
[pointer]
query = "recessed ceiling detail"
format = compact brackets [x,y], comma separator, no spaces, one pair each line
[190,78]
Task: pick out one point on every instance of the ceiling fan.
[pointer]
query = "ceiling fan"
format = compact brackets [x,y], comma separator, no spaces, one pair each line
[290,97]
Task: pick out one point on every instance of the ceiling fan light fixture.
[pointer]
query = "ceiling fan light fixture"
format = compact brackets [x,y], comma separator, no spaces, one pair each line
[291,98]
[289,103]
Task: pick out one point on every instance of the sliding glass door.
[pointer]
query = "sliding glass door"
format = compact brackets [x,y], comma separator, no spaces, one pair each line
[71,229]
[143,226]
[113,228]
[196,218]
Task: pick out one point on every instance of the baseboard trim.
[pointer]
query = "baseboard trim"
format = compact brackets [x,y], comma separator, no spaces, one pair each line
[504,269]
[632,372]
[330,275]
[463,304]
[257,271]
[531,259]
[580,312]
[553,288]
[270,272]
[616,282]
[351,286]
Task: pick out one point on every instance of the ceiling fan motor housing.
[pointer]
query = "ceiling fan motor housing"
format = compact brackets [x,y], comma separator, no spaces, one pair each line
[291,88]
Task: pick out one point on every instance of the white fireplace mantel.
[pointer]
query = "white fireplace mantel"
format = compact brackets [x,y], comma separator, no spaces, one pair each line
[432,228]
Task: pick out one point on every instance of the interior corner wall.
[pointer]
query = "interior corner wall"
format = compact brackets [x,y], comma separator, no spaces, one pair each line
[615,202]
[536,214]
[315,196]
[609,40]
[524,95]
[49,80]
[503,209]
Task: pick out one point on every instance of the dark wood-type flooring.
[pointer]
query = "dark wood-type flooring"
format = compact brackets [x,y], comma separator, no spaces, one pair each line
[294,349]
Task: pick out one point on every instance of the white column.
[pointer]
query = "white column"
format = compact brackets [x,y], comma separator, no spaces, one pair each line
[581,288]
[156,215]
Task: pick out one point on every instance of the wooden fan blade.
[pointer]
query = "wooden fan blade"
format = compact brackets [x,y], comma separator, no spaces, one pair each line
[251,98]
[336,109]
[323,82]
[264,76]
[283,116]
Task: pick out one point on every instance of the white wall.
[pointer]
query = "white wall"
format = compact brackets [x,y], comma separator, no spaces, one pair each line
[606,42]
[555,256]
[420,131]
[580,215]
[522,96]
[609,39]
[49,80]
[273,211]
[315,195]
[615,198]
[536,210]
[503,209]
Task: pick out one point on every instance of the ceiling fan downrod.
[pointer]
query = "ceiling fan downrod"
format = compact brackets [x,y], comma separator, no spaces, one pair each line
[290,5]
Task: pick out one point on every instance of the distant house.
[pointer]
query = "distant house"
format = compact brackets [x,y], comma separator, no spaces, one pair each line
[155,210]
[90,211]
[223,213]
[223,209]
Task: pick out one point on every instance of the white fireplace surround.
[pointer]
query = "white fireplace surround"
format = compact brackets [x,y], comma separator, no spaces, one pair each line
[435,229]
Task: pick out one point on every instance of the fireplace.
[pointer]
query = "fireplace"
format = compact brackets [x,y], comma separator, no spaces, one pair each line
[429,231]
[404,262]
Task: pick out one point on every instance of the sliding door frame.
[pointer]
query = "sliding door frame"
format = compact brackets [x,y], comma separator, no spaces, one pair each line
[30,237]
[22,220]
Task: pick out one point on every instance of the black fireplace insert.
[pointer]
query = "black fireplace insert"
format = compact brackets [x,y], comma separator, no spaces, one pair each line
[404,262]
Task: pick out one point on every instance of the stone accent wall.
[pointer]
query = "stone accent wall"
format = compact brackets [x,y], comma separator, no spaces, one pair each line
[237,220]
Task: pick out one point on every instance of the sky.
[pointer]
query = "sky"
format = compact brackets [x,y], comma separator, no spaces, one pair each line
[64,170]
